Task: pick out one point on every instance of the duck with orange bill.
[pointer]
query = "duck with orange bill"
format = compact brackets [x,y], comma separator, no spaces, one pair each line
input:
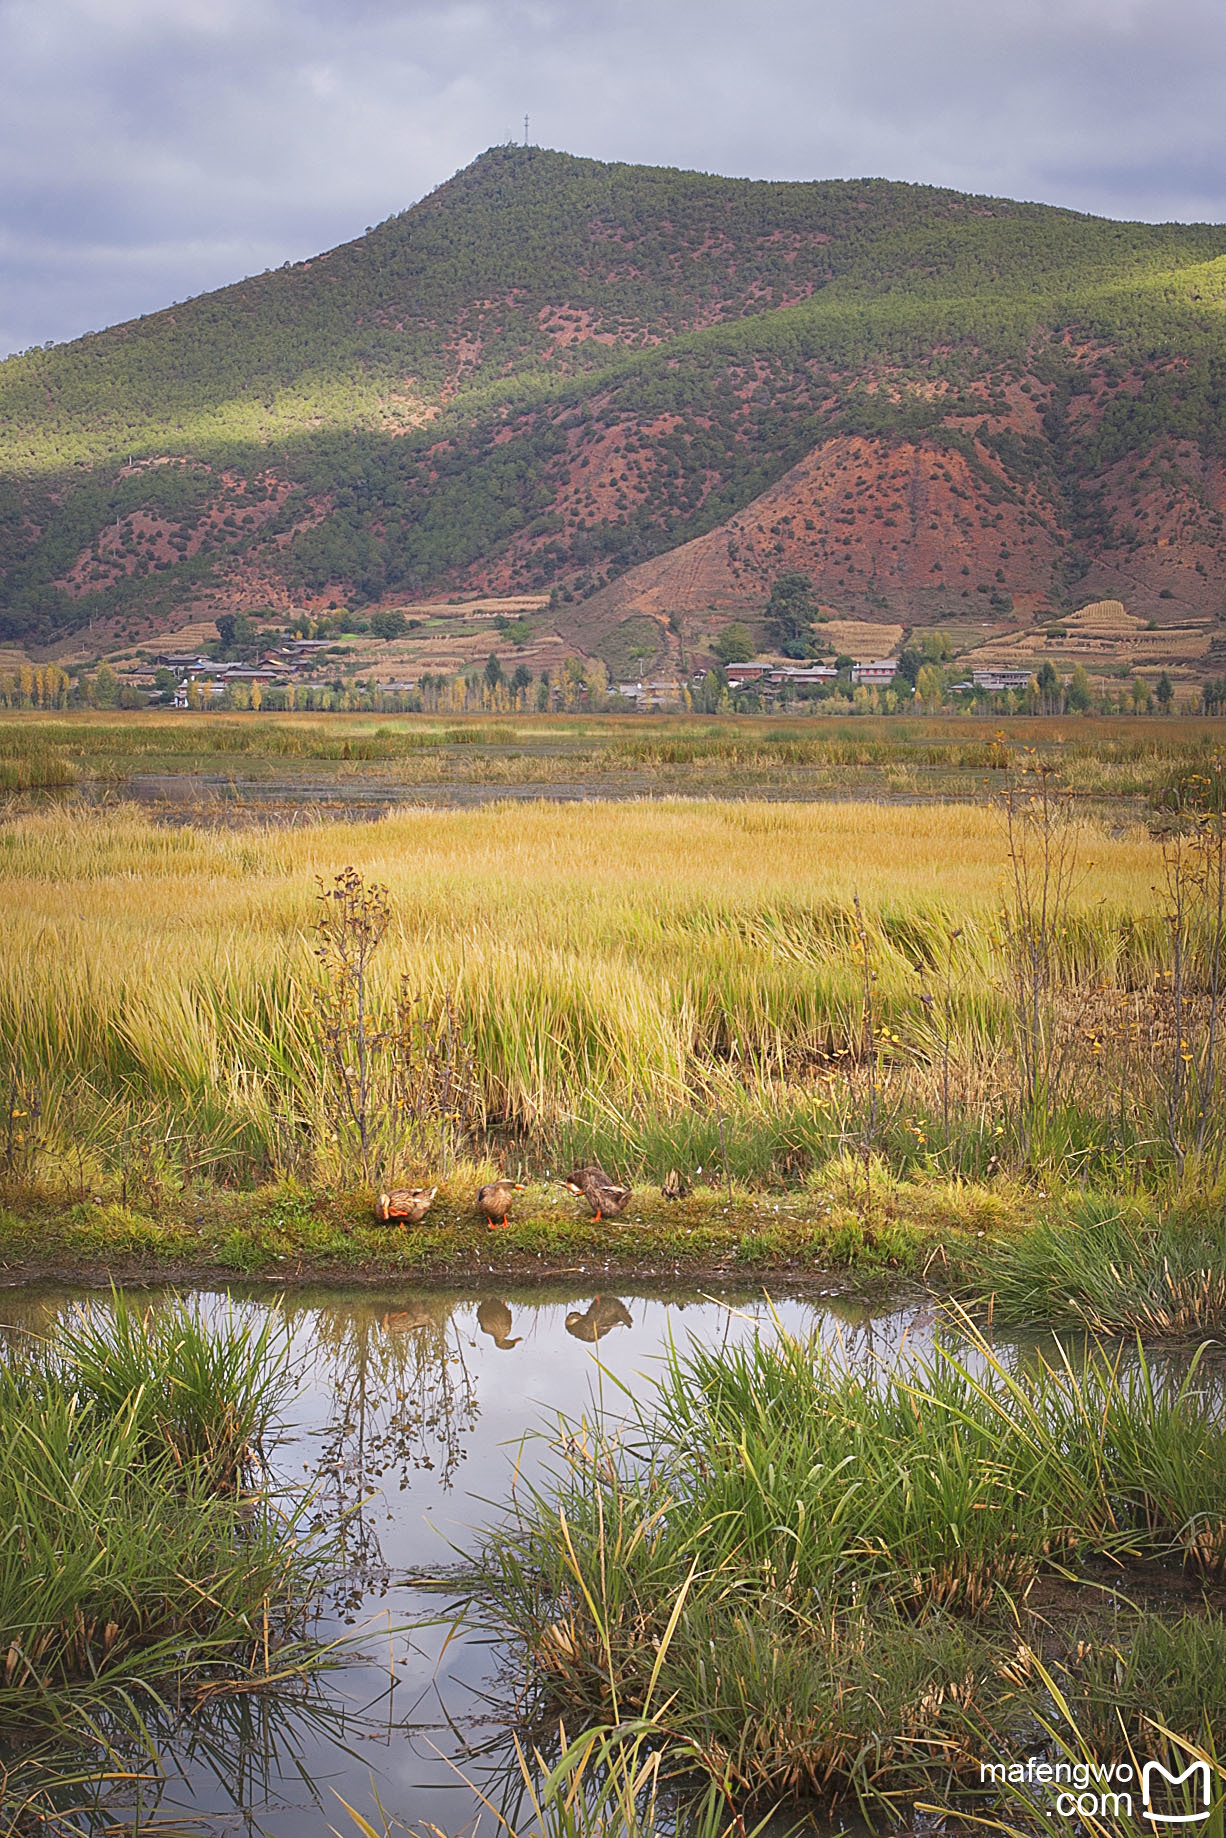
[404,1205]
[494,1200]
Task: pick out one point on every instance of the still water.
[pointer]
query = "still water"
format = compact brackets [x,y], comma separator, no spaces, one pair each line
[416,1415]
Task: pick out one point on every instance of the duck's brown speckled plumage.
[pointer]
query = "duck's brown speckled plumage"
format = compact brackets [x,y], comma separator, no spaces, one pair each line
[494,1200]
[601,1192]
[404,1205]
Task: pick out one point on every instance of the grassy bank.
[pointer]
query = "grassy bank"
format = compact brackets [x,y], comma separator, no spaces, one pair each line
[822,1587]
[1112,1267]
[290,1231]
[145,1565]
[1019,1258]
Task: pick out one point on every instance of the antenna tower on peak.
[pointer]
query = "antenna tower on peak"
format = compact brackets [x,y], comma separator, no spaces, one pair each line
[525,130]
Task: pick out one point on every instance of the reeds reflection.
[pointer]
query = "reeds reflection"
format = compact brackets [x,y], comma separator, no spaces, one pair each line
[400,1398]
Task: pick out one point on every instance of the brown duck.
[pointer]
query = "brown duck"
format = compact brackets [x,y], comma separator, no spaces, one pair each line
[494,1319]
[494,1200]
[603,1195]
[404,1205]
[600,1315]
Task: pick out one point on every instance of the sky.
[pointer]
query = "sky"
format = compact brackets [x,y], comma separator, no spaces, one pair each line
[155,149]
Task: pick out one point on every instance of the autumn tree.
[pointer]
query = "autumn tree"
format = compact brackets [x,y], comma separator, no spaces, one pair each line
[388,625]
[1050,690]
[1077,695]
[930,686]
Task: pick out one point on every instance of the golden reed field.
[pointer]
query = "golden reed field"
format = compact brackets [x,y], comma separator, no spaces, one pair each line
[608,965]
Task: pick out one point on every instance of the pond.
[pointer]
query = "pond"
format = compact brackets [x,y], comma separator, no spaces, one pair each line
[415,1416]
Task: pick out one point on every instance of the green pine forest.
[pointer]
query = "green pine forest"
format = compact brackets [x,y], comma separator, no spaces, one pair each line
[394,417]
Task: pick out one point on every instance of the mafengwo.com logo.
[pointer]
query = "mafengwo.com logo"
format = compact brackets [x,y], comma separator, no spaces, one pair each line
[1105,1791]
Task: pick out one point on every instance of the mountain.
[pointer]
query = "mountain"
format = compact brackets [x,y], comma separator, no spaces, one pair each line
[648,392]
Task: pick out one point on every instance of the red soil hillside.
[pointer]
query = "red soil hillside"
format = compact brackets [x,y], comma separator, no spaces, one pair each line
[891,529]
[645,393]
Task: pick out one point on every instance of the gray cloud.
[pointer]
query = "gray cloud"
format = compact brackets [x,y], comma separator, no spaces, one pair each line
[151,152]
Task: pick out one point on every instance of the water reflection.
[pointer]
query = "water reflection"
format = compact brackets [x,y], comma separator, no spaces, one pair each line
[392,1395]
[495,1319]
[410,1424]
[242,1753]
[603,1313]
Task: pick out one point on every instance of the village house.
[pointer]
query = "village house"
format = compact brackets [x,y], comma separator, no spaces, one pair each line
[252,673]
[875,675]
[182,662]
[810,675]
[1001,679]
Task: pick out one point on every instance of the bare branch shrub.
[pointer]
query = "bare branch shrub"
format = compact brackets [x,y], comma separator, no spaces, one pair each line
[1041,844]
[349,931]
[399,1074]
[1192,834]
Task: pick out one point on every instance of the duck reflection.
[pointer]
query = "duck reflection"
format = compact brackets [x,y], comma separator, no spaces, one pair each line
[494,1319]
[601,1314]
[404,1320]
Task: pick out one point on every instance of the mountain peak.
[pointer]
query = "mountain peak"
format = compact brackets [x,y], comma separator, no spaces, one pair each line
[645,391]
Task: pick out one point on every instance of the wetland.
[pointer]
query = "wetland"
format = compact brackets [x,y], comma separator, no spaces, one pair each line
[913,1027]
[484,1474]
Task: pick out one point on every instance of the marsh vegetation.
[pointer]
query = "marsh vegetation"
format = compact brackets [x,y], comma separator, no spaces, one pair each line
[810,1582]
[1113,765]
[813,1557]
[978,1042]
[148,1566]
[991,1003]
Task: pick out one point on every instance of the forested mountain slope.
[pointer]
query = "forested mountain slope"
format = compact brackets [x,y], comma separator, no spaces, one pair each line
[652,390]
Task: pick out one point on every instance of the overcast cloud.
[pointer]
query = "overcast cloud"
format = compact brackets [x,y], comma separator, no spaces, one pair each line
[154,149]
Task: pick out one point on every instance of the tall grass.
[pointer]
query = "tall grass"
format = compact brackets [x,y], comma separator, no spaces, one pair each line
[1113,1267]
[825,1579]
[1077,1785]
[204,1393]
[619,969]
[120,1568]
[131,1559]
[606,1783]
